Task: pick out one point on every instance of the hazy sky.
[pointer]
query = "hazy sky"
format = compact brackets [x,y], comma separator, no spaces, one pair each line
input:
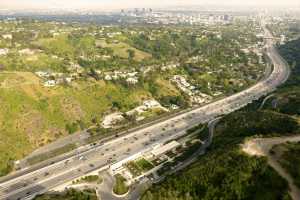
[111,4]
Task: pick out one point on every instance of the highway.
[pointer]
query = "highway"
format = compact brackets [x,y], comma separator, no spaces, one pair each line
[39,181]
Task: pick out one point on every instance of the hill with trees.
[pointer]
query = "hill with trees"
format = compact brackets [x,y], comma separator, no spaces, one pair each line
[227,173]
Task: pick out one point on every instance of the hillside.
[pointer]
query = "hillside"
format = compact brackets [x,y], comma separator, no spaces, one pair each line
[57,79]
[225,172]
[288,156]
[32,115]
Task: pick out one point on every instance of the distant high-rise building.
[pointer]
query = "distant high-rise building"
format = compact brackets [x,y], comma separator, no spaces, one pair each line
[226,17]
[123,12]
[211,18]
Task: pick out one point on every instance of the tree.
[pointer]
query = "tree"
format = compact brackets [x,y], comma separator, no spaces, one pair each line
[94,74]
[131,54]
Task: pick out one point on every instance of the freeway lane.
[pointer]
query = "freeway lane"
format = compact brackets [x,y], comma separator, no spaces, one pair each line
[128,145]
[39,181]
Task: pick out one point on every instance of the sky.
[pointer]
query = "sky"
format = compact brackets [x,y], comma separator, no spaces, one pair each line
[117,4]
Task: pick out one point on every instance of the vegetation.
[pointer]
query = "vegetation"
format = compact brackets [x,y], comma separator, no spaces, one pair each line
[249,123]
[287,98]
[89,179]
[51,154]
[134,169]
[144,165]
[290,52]
[227,173]
[288,156]
[70,195]
[124,50]
[120,186]
[33,115]
[223,175]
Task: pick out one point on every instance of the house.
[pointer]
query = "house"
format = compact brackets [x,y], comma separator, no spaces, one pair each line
[108,77]
[55,34]
[147,105]
[112,119]
[42,74]
[4,52]
[50,83]
[68,79]
[246,51]
[132,74]
[132,80]
[26,52]
[174,107]
[7,36]
[151,104]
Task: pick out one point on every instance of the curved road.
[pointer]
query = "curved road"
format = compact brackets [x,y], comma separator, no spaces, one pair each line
[262,147]
[41,180]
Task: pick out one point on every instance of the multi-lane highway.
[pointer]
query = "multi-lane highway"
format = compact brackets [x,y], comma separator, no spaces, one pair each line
[27,185]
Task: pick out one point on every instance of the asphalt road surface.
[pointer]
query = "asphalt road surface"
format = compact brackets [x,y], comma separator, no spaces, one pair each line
[41,180]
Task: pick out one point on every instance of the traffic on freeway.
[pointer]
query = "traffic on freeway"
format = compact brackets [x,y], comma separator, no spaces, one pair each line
[102,155]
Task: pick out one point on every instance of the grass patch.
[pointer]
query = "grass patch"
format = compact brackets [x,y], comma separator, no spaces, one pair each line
[120,187]
[32,116]
[144,164]
[139,166]
[59,151]
[89,179]
[121,49]
[134,169]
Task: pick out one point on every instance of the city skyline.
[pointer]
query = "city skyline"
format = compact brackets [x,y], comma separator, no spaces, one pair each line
[118,4]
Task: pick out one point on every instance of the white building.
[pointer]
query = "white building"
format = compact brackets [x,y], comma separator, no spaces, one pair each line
[4,52]
[26,52]
[282,39]
[115,167]
[132,80]
[69,79]
[7,36]
[42,74]
[112,119]
[151,103]
[108,77]
[165,148]
[50,83]
[132,74]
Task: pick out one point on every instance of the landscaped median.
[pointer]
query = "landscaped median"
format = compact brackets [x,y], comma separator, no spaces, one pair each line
[69,194]
[89,179]
[120,188]
[138,167]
